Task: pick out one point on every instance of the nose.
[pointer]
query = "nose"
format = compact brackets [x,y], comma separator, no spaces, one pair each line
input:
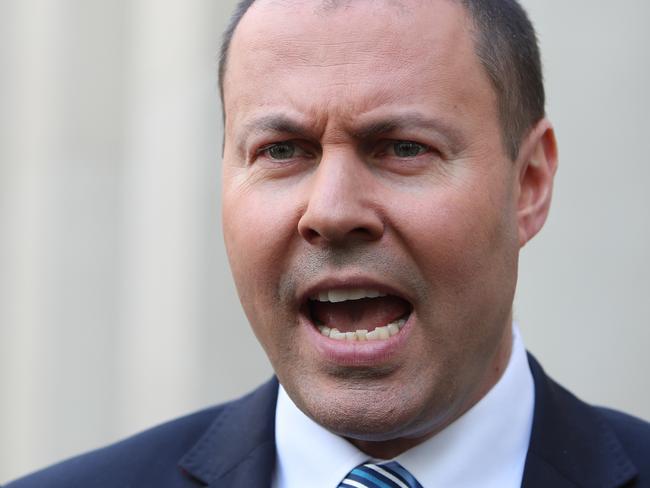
[342,204]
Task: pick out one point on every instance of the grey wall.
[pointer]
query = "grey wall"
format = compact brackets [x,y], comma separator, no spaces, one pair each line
[585,281]
[116,306]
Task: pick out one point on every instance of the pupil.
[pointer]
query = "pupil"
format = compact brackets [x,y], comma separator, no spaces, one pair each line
[406,149]
[282,151]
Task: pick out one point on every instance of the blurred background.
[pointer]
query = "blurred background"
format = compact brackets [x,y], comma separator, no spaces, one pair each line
[117,309]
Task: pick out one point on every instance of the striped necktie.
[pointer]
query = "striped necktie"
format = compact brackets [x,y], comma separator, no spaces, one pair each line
[384,475]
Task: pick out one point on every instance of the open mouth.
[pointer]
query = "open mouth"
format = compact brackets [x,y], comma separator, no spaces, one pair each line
[357,314]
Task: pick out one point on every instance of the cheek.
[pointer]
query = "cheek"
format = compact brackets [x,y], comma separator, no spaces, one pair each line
[462,236]
[256,230]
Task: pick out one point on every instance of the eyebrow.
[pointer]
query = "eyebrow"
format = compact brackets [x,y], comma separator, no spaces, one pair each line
[281,124]
[274,123]
[409,121]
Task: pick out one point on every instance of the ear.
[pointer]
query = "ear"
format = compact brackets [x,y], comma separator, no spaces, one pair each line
[537,163]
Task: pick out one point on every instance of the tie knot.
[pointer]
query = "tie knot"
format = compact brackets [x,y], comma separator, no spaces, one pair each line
[379,475]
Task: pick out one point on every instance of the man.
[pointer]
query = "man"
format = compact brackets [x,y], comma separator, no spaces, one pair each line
[384,162]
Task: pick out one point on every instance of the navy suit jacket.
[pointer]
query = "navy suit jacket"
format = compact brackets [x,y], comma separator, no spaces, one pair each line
[233,445]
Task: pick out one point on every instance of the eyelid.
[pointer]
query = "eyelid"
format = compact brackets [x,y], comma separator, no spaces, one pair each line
[301,147]
[387,143]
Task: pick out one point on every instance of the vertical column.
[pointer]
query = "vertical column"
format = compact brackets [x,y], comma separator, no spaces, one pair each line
[31,87]
[162,226]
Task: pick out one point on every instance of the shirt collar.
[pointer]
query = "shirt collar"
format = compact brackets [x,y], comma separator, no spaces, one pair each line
[485,447]
[308,454]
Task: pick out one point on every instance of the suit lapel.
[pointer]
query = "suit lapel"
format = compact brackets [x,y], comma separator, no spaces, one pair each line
[571,444]
[238,450]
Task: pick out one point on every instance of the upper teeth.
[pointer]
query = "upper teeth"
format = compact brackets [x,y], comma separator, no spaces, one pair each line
[336,296]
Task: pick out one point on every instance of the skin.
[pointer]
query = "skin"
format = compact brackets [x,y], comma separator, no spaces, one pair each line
[315,186]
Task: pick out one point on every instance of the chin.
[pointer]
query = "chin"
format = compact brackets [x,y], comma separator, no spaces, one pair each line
[366,410]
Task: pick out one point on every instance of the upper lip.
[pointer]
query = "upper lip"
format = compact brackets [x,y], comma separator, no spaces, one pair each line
[342,282]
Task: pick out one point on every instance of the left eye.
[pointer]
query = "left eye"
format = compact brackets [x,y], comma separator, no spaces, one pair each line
[283,151]
[405,149]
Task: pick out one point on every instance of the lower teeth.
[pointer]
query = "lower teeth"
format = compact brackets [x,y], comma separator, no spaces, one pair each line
[378,334]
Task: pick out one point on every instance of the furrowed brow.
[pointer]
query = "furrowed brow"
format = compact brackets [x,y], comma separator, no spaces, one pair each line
[406,122]
[274,124]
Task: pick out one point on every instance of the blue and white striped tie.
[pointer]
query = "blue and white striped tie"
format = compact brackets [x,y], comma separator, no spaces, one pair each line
[384,475]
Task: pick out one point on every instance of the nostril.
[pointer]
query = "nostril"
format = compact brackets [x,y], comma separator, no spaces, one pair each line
[363,233]
[335,228]
[336,222]
[309,234]
[312,235]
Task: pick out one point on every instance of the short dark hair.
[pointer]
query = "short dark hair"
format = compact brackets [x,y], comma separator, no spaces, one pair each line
[506,45]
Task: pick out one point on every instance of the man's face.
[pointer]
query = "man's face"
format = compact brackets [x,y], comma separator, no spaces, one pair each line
[364,156]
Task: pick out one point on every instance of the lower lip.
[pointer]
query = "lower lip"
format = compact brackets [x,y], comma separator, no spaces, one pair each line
[357,353]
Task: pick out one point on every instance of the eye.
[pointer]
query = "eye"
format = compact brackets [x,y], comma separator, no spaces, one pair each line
[405,149]
[283,151]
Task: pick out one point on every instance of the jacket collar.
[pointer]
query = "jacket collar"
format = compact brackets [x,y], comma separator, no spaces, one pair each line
[238,449]
[571,444]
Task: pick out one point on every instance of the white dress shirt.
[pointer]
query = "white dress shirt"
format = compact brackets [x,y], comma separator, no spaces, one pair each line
[484,448]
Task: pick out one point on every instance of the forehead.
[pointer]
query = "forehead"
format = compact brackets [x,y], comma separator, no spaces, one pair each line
[299,17]
[352,56]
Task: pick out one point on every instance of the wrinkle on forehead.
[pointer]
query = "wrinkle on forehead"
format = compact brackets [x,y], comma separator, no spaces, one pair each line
[309,43]
[331,5]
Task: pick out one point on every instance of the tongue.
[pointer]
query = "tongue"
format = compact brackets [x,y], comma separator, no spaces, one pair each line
[366,313]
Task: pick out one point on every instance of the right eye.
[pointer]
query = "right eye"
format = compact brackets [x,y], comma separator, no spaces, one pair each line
[283,151]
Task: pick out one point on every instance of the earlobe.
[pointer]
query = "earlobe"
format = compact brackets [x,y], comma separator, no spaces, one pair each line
[537,165]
